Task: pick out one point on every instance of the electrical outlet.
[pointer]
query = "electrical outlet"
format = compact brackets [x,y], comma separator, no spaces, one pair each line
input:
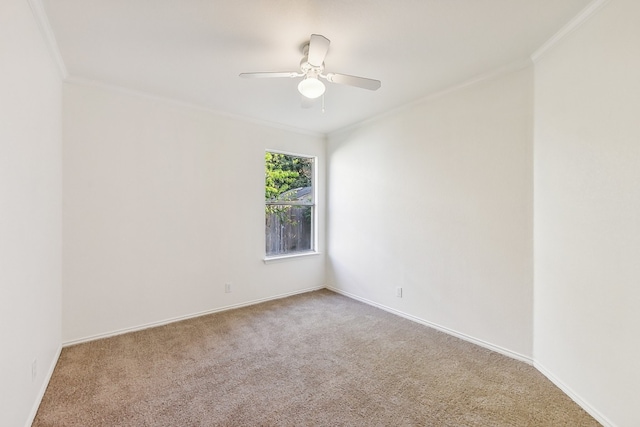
[227,288]
[34,369]
[399,292]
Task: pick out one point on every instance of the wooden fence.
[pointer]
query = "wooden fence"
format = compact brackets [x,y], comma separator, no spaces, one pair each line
[288,229]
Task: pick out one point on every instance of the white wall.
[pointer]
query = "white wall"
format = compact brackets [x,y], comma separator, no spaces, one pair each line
[587,213]
[162,207]
[163,204]
[30,212]
[437,199]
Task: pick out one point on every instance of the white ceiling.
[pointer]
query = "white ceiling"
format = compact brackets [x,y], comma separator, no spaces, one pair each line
[193,50]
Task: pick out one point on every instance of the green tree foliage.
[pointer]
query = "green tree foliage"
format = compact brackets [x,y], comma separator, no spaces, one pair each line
[284,172]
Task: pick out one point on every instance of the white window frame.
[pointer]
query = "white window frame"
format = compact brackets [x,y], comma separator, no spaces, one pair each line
[314,209]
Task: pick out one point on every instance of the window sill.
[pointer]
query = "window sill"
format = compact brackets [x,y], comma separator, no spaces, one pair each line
[281,258]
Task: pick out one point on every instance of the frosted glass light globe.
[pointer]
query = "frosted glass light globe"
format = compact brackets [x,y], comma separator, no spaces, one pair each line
[311,87]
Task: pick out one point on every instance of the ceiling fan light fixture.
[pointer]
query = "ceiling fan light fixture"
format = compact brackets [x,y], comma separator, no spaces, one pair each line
[312,67]
[311,87]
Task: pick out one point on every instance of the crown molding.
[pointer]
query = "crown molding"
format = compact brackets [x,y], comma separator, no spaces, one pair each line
[76,81]
[572,25]
[480,78]
[37,8]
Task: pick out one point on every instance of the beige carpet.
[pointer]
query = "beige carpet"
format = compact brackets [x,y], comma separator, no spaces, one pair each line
[317,359]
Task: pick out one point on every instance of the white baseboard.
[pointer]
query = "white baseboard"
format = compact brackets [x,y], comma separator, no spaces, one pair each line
[481,343]
[185,317]
[565,389]
[514,355]
[574,396]
[43,388]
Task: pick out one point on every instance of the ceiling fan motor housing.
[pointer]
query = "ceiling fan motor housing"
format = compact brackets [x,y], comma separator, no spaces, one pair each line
[309,69]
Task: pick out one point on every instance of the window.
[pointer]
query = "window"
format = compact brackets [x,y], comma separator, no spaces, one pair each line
[289,204]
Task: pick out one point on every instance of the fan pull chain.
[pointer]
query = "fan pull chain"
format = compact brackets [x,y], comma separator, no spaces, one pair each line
[323,103]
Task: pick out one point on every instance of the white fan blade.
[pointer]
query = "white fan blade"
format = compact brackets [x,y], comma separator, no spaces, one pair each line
[318,48]
[290,74]
[306,102]
[360,82]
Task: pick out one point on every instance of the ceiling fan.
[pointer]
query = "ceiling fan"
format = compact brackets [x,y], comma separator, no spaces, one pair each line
[312,68]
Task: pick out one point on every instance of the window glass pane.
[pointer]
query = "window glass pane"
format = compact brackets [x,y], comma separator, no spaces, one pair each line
[288,229]
[284,173]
